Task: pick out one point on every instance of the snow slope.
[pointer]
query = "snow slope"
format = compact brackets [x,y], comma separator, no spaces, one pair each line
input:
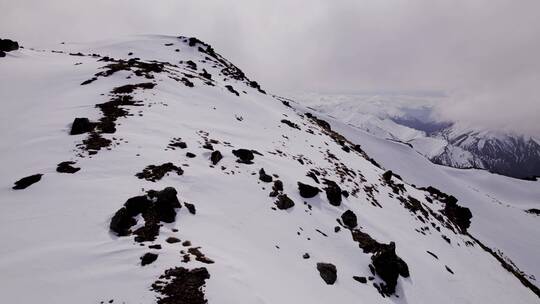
[497,202]
[57,246]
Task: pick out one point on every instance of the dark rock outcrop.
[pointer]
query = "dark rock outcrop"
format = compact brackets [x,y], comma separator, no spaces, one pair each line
[388,266]
[328,272]
[307,191]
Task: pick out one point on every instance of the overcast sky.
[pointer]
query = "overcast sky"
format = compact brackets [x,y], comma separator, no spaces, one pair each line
[483,53]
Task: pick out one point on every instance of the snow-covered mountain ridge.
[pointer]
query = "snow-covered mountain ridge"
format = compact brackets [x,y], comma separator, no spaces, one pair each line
[185,182]
[410,119]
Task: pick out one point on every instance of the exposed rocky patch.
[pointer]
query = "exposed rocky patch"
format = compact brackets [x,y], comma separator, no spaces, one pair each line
[155,207]
[182,286]
[156,172]
[199,256]
[130,88]
[27,181]
[328,272]
[290,124]
[176,143]
[308,191]
[67,167]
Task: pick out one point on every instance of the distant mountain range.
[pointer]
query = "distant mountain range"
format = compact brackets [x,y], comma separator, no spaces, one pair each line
[409,119]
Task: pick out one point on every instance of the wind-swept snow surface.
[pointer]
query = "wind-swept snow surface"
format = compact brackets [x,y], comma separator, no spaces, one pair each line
[217,228]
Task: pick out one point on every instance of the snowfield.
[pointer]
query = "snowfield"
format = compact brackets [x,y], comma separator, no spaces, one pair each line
[57,245]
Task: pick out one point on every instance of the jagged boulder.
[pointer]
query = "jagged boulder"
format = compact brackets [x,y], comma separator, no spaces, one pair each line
[349,219]
[307,191]
[328,272]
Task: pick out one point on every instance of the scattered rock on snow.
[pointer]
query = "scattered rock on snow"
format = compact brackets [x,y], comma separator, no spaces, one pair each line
[244,156]
[8,45]
[333,192]
[362,280]
[156,172]
[25,182]
[349,219]
[190,208]
[328,272]
[388,266]
[264,177]
[66,167]
[81,125]
[276,188]
[199,256]
[182,286]
[155,207]
[172,240]
[215,157]
[284,202]
[148,258]
[307,191]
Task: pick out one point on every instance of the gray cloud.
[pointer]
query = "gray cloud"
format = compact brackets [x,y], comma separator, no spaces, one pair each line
[482,53]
